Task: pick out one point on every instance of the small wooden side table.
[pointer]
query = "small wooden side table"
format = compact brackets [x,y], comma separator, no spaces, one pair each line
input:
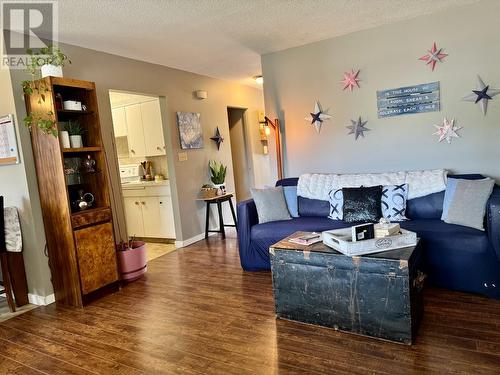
[218,200]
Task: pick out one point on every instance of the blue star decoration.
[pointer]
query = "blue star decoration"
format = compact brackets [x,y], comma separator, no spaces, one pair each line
[217,138]
[358,128]
[482,95]
[318,116]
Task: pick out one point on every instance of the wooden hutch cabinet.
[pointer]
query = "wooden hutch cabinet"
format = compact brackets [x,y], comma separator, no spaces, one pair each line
[80,243]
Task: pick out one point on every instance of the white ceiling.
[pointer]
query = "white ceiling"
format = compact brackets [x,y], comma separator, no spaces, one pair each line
[223,38]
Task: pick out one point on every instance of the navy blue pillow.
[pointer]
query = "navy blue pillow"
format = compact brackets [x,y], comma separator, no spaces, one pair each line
[313,207]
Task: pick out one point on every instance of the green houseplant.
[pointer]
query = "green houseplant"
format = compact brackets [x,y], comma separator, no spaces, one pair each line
[75,131]
[43,63]
[217,173]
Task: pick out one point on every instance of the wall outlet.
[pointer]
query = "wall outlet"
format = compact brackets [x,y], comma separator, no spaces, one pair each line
[183,156]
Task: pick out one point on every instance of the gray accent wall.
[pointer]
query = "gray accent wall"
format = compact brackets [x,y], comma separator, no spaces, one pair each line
[388,58]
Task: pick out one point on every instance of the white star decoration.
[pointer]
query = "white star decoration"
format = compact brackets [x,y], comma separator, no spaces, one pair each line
[317,117]
[482,95]
[447,131]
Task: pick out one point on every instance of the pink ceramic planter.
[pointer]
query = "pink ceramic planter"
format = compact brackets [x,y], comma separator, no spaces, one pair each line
[132,263]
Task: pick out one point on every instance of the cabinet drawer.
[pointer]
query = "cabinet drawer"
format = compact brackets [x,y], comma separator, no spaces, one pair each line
[92,216]
[95,247]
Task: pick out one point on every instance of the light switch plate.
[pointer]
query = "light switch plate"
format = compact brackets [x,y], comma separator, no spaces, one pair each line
[183,156]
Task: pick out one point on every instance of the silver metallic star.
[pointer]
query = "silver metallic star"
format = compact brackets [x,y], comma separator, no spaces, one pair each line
[447,131]
[358,128]
[317,117]
[482,95]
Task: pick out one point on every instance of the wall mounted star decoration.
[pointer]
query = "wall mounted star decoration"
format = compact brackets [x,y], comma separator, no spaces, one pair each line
[434,56]
[358,128]
[482,95]
[447,131]
[318,116]
[351,80]
[217,138]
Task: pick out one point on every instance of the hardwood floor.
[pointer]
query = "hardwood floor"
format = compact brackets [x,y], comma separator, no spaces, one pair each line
[197,312]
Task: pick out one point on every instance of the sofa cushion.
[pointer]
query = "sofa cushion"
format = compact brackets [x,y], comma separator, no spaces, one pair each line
[362,204]
[465,202]
[428,207]
[271,204]
[291,200]
[313,207]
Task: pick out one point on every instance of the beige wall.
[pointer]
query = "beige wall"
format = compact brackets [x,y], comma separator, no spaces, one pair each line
[175,88]
[388,58]
[14,186]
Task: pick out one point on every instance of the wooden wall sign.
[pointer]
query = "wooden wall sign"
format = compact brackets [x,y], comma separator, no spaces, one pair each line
[407,100]
[8,145]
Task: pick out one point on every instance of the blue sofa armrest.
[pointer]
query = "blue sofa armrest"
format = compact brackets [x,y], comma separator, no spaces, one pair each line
[493,219]
[247,218]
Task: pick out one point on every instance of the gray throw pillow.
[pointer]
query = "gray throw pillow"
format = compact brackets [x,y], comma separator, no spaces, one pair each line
[465,201]
[271,204]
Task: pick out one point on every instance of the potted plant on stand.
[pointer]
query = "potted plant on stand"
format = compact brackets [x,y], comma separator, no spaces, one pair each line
[49,60]
[218,176]
[132,259]
[75,133]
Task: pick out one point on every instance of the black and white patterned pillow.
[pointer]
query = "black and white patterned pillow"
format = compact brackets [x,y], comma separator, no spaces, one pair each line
[394,199]
[336,199]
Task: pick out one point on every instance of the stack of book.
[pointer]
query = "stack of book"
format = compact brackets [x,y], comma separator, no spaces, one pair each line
[385,230]
[307,239]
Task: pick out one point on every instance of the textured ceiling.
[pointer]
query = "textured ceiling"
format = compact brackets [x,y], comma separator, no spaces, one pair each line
[223,38]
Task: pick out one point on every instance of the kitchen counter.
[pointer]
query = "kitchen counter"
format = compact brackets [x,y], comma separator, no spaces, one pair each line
[142,184]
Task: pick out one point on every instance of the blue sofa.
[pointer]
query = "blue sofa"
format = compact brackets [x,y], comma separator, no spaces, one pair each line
[455,257]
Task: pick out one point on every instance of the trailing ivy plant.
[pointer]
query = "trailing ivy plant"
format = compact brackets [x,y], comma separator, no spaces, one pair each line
[36,86]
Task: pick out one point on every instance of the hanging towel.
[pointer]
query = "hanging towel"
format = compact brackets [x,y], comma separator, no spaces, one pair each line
[13,238]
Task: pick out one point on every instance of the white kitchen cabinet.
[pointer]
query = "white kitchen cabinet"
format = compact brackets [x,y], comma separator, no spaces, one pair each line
[135,137]
[153,128]
[119,122]
[133,217]
[166,217]
[149,211]
[151,217]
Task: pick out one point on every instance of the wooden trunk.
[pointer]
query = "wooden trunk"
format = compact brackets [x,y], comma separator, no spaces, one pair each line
[376,295]
[80,244]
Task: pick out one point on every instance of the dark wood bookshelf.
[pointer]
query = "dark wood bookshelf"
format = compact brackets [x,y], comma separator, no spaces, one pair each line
[80,244]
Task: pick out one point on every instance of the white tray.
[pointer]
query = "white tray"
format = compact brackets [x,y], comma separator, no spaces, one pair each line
[341,240]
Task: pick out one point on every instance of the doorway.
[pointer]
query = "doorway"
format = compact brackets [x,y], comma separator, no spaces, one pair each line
[242,167]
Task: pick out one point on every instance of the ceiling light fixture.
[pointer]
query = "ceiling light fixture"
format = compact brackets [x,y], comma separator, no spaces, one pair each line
[259,79]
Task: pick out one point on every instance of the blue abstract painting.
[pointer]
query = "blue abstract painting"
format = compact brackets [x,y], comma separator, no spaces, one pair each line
[409,99]
[190,130]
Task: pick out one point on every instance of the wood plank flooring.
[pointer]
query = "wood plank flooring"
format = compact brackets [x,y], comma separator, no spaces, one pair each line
[197,312]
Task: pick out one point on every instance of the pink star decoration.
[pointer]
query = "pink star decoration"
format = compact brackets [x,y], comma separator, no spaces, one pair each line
[447,131]
[435,55]
[350,80]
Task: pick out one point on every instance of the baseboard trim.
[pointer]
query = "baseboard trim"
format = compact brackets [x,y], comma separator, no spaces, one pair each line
[35,299]
[192,240]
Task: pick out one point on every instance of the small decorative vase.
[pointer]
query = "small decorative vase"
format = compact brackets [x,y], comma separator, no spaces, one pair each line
[49,70]
[221,188]
[64,139]
[76,141]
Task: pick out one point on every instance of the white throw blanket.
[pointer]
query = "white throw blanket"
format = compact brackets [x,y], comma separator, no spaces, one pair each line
[421,183]
[13,238]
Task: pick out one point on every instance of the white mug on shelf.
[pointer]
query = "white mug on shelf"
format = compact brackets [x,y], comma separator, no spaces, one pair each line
[64,139]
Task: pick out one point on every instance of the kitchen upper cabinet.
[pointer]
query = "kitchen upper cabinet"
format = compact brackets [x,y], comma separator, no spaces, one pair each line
[153,128]
[119,122]
[133,216]
[135,138]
